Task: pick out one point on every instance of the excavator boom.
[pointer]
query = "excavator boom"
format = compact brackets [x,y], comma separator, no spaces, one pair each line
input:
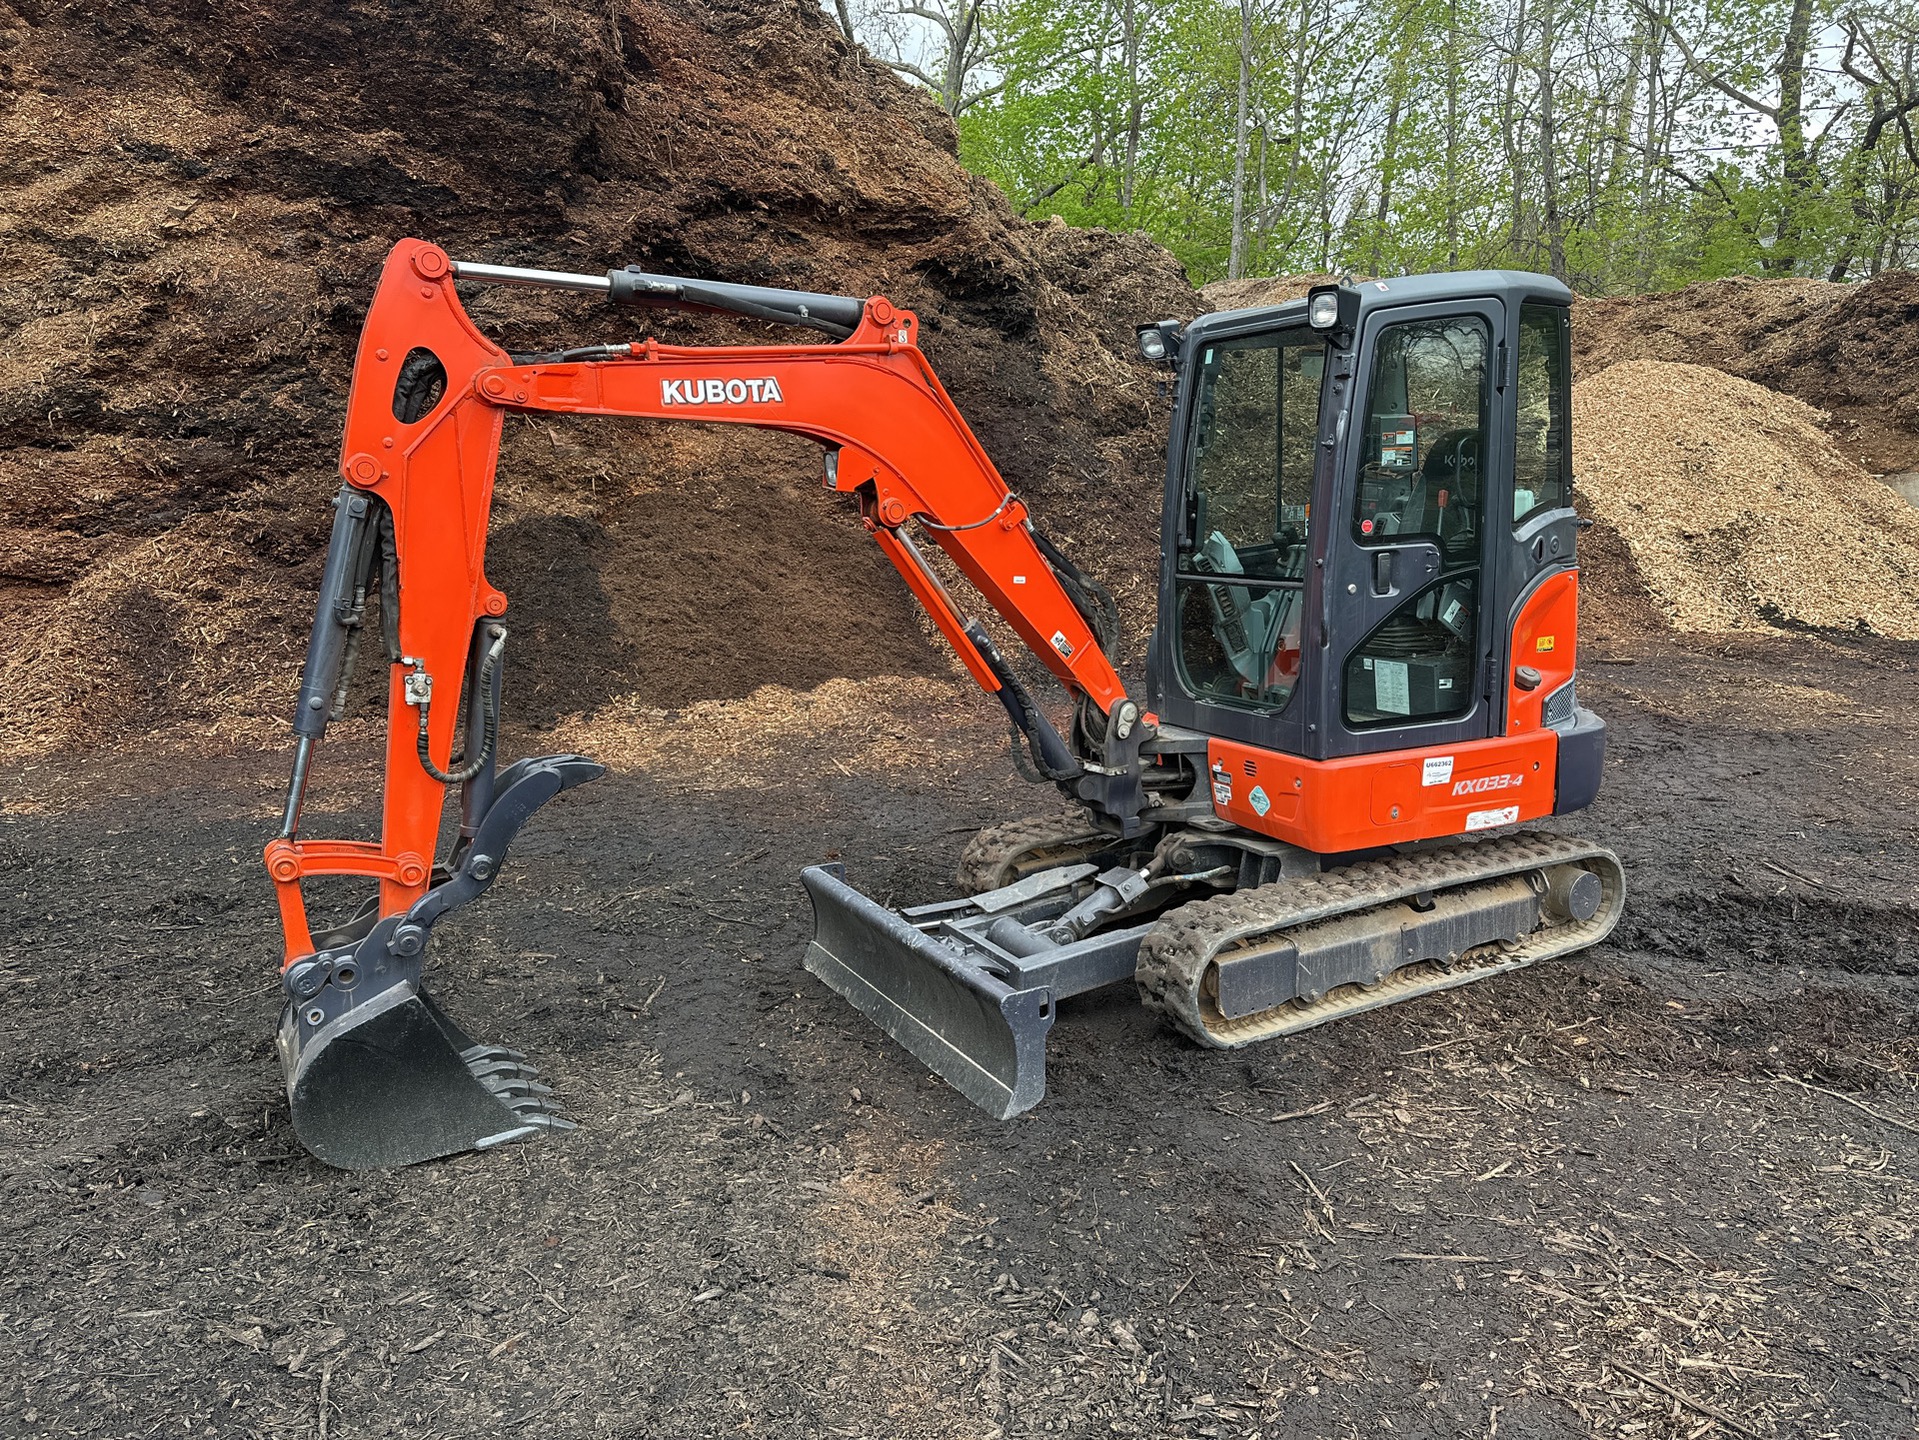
[361,1043]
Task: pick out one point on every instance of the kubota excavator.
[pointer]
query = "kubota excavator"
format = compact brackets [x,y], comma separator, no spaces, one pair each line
[1364,659]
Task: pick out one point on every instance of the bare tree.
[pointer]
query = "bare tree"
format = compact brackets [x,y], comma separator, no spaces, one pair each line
[946,45]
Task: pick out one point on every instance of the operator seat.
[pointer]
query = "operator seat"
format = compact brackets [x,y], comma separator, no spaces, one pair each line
[1250,630]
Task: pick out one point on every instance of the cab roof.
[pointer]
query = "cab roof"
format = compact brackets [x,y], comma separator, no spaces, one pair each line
[1511,287]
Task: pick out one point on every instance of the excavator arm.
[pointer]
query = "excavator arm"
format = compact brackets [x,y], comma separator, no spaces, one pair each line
[376,1073]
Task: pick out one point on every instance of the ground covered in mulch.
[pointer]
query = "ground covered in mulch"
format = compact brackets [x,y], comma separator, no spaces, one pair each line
[1659,1187]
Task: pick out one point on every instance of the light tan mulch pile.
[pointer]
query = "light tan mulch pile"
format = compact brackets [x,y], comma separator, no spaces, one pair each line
[1736,507]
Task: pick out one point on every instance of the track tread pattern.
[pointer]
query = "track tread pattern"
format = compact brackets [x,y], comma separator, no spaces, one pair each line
[1175,954]
[992,857]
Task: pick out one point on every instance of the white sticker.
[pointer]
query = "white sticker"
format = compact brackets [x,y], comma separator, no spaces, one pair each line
[1222,786]
[1390,690]
[1257,799]
[1436,770]
[1486,819]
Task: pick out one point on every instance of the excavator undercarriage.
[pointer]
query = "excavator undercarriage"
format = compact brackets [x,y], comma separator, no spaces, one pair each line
[1287,829]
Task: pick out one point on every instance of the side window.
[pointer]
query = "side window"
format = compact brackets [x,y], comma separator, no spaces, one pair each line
[1421,472]
[1542,460]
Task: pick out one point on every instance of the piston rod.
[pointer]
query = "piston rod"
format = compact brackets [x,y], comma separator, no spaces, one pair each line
[515,275]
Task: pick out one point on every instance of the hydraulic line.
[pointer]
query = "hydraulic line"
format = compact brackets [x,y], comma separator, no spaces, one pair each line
[491,733]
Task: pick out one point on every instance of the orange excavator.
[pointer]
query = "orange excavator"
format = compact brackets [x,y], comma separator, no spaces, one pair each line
[1361,684]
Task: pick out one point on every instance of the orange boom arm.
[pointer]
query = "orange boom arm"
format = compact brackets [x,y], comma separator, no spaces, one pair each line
[895,441]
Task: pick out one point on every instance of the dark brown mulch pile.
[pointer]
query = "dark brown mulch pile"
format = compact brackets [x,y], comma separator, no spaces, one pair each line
[202,195]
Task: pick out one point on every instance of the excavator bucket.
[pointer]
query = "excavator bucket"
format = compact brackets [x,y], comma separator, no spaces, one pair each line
[395,1082]
[964,985]
[376,1073]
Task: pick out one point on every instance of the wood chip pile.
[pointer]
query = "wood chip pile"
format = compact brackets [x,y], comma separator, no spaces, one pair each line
[1736,507]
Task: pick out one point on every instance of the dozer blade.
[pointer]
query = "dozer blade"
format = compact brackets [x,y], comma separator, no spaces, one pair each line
[983,1036]
[395,1082]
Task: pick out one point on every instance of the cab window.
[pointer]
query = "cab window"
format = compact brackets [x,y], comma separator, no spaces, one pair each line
[1422,472]
[1542,458]
[1242,550]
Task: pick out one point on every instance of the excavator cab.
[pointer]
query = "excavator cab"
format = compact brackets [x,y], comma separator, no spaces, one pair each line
[1368,514]
[1364,658]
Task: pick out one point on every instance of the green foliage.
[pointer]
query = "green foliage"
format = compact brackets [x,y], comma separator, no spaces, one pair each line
[1625,144]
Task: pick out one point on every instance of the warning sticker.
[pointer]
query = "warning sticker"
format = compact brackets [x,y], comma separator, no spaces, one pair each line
[1436,770]
[1258,800]
[1487,819]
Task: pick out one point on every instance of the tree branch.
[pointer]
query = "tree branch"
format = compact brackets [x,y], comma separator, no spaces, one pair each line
[1093,157]
[1723,86]
[905,68]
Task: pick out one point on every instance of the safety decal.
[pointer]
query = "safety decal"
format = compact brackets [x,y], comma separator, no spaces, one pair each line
[1257,799]
[1487,819]
[1436,770]
[1544,642]
[1222,785]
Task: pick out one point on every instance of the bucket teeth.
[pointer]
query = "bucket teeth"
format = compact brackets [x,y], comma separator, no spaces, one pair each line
[507,1069]
[399,1083]
[476,1054]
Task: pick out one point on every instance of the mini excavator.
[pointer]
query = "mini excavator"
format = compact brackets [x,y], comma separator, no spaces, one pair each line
[1361,683]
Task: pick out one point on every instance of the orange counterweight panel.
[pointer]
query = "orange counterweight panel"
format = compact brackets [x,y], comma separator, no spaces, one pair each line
[1334,806]
[1545,637]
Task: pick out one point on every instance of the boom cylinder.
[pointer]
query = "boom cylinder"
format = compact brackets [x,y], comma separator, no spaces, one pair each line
[837,315]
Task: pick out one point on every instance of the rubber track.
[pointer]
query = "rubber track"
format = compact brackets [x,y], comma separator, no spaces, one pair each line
[1174,957]
[989,855]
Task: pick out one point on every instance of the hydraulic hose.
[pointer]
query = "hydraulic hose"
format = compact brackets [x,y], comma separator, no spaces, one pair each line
[491,732]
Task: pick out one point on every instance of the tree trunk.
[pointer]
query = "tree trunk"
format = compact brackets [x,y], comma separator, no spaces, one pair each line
[1453,82]
[1136,107]
[1509,132]
[1796,162]
[1236,256]
[1389,155]
[1549,146]
[1648,173]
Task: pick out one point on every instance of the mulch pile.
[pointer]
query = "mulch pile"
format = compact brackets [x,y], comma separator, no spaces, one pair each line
[202,194]
[1737,509]
[1851,350]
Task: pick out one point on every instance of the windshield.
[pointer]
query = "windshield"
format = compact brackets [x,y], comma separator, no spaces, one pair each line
[1242,554]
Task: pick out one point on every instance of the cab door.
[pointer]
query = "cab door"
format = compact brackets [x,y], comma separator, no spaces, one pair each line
[1415,512]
